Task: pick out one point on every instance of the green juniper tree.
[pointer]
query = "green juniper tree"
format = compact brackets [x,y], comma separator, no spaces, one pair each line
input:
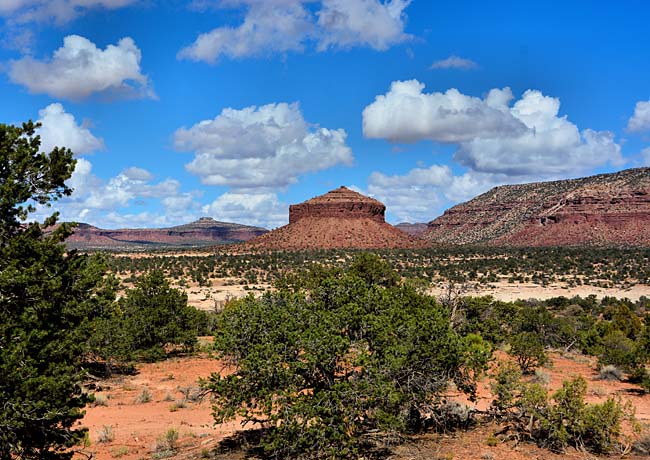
[46,299]
[321,367]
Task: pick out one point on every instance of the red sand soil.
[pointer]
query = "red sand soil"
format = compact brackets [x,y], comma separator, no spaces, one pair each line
[136,426]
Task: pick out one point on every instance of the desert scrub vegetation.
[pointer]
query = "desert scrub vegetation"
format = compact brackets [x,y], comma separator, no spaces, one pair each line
[604,267]
[562,420]
[148,323]
[327,361]
[349,358]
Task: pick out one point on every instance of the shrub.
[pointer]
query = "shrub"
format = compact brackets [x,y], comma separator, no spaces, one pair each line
[150,317]
[144,396]
[105,434]
[166,444]
[99,400]
[618,350]
[569,420]
[610,373]
[541,377]
[528,350]
[324,367]
[506,386]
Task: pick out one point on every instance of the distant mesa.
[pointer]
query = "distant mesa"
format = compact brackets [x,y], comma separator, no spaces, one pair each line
[341,218]
[413,229]
[602,210]
[201,233]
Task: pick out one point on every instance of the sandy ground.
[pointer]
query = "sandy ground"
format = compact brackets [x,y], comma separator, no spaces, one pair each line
[513,291]
[137,426]
[214,296]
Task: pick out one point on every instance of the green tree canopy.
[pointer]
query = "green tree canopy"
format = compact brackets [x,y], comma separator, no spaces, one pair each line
[323,367]
[46,298]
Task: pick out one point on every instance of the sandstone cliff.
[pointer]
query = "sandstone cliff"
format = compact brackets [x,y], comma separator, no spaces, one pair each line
[603,210]
[341,218]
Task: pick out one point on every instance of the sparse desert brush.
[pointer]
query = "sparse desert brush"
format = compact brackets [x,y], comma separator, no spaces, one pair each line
[191,393]
[100,400]
[642,445]
[105,434]
[144,396]
[166,444]
[542,377]
[119,452]
[599,391]
[610,373]
[179,404]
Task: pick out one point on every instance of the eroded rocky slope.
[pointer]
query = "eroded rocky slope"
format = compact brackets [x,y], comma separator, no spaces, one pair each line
[604,210]
[341,218]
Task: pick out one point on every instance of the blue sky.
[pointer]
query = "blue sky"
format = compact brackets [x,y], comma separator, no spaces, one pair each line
[235,109]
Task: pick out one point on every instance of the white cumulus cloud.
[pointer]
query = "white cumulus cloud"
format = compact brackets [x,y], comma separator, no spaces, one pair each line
[639,122]
[407,114]
[59,129]
[280,26]
[260,147]
[551,146]
[114,202]
[269,27]
[348,23]
[527,138]
[454,62]
[79,68]
[260,209]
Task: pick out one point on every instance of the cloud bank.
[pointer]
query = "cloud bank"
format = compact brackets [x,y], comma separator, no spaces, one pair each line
[279,26]
[260,148]
[79,69]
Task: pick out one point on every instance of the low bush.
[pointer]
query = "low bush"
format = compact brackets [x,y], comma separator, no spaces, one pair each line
[565,419]
[528,350]
[610,373]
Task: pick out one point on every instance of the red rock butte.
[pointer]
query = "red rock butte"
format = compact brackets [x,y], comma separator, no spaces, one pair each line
[343,203]
[341,218]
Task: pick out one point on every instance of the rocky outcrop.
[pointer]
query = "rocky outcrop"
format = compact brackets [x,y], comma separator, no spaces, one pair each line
[603,210]
[341,218]
[339,203]
[204,232]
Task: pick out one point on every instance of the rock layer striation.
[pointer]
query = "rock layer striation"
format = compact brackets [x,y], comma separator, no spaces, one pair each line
[602,210]
[339,203]
[341,218]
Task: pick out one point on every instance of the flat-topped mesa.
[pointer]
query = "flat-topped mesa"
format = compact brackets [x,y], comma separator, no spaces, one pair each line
[602,210]
[342,203]
[340,219]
